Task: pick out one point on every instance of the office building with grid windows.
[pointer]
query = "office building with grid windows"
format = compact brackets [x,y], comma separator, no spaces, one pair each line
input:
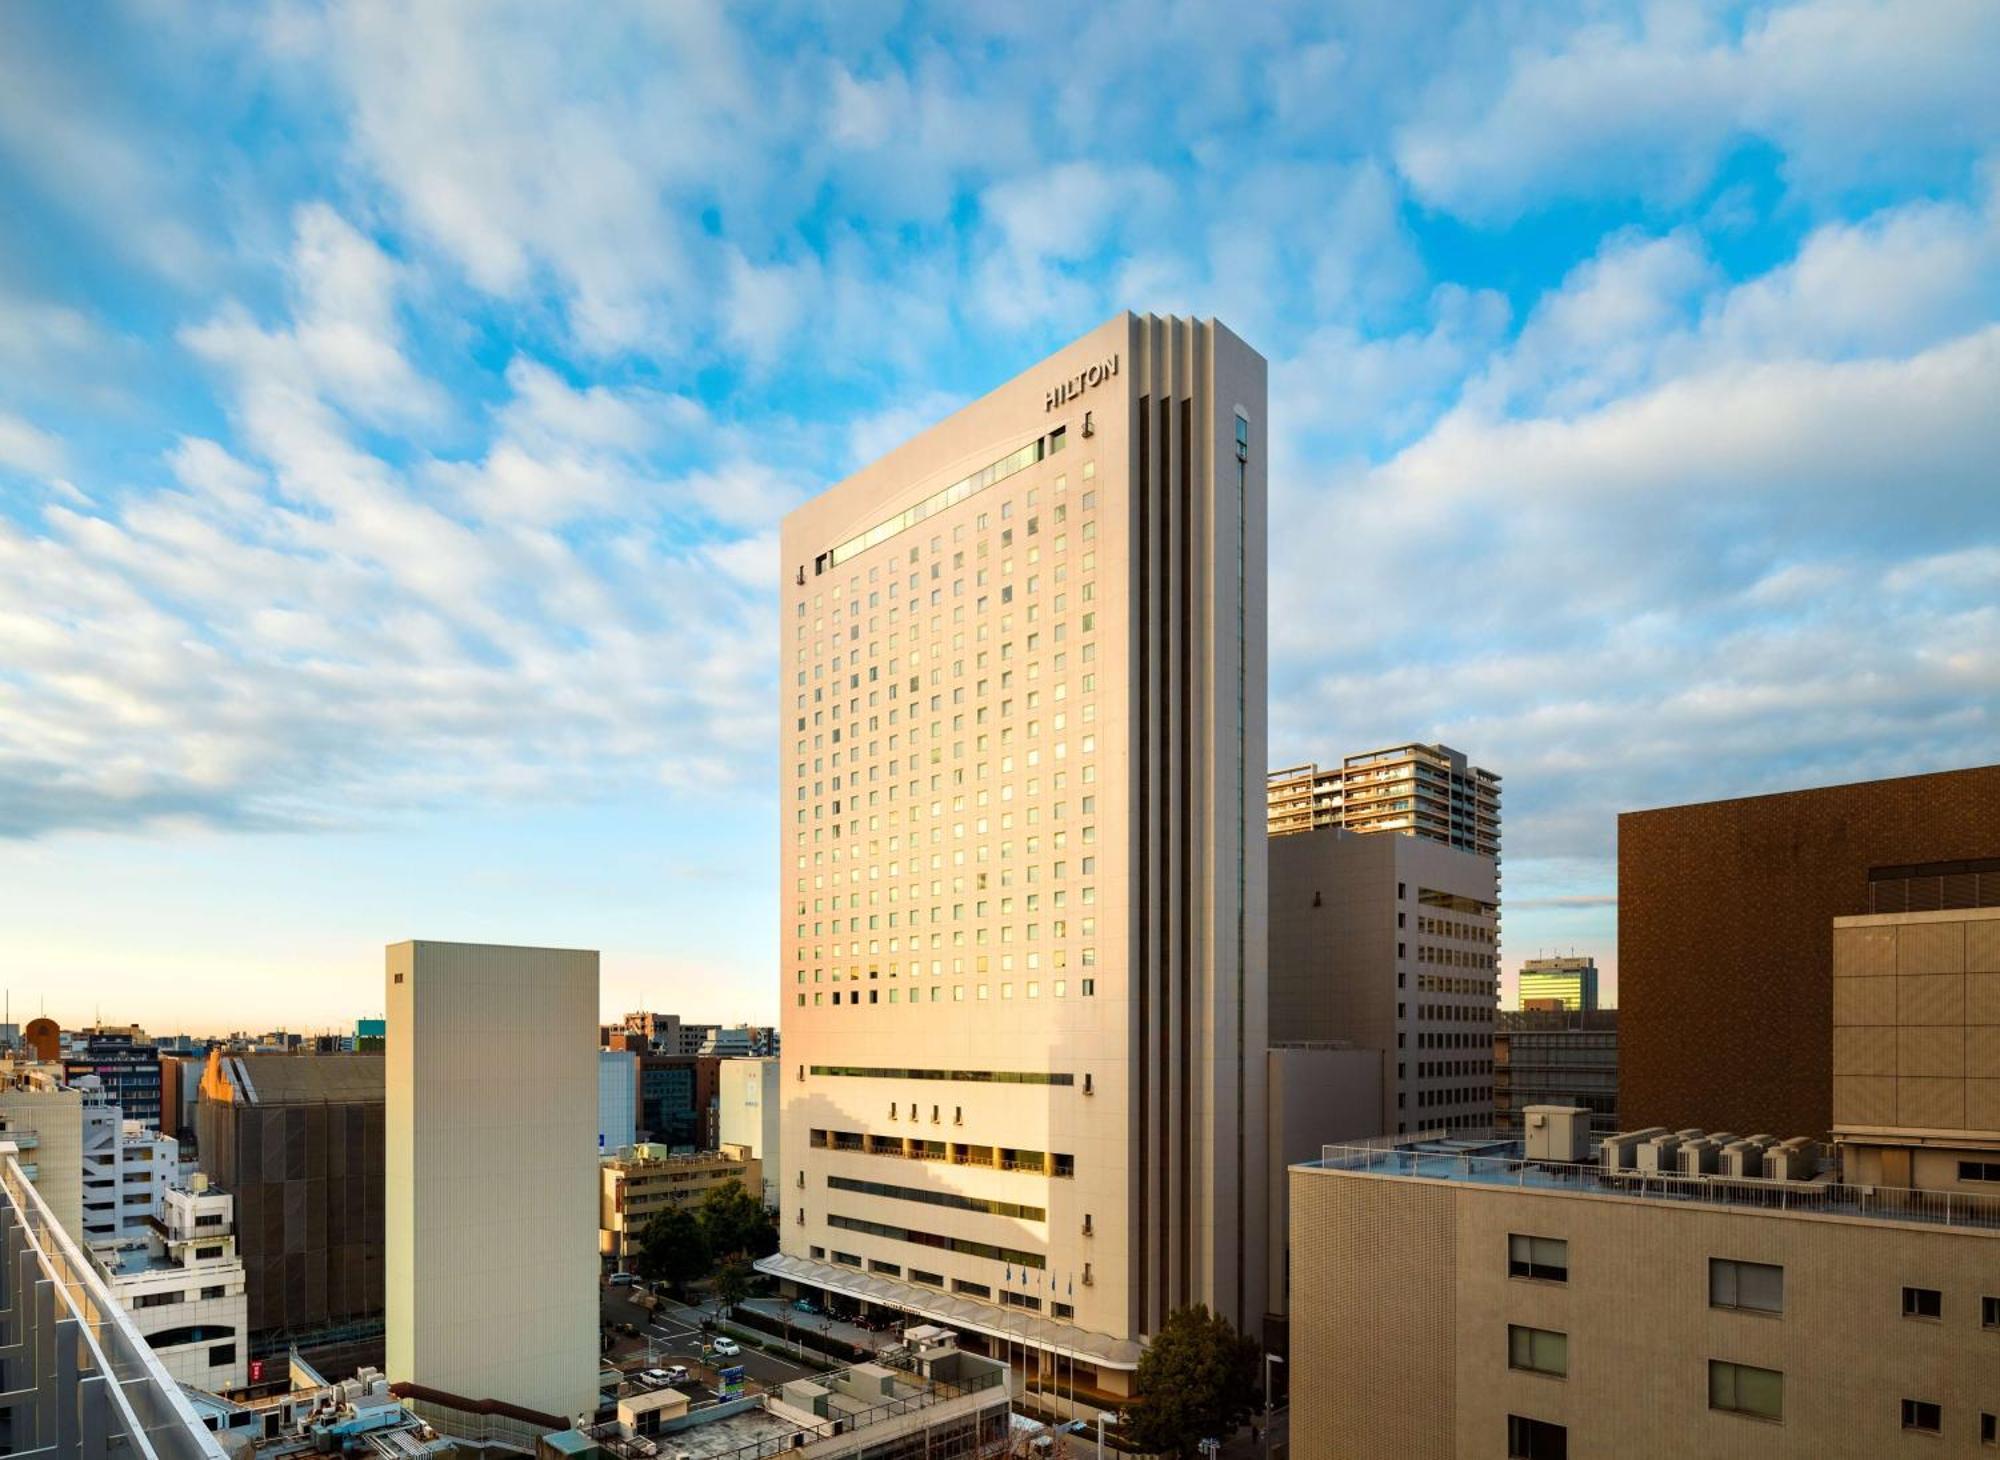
[1564,983]
[1023,859]
[1391,943]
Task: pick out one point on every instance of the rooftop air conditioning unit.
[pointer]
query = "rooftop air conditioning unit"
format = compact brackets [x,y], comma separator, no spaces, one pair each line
[1615,1153]
[1744,1158]
[1794,1160]
[1699,1157]
[1658,1154]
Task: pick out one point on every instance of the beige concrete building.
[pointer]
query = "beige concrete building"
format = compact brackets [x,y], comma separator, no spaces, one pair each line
[751,1101]
[44,1118]
[1022,863]
[1391,943]
[1716,1295]
[490,1258]
[1316,1093]
[640,1181]
[1916,1048]
[1414,790]
[1448,1305]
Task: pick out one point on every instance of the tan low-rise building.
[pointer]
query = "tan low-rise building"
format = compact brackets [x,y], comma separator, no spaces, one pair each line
[640,1181]
[1451,1304]
[1684,1292]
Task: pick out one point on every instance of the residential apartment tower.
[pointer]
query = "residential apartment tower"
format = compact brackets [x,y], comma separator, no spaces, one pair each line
[1417,790]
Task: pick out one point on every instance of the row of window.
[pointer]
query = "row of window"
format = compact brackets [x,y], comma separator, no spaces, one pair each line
[1732,1389]
[1453,928]
[978,1077]
[1450,1096]
[957,1153]
[1086,988]
[952,1199]
[965,1247]
[1756,1287]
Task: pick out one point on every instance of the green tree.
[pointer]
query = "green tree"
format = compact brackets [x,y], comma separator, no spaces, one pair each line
[673,1249]
[1199,1380]
[734,1220]
[732,1283]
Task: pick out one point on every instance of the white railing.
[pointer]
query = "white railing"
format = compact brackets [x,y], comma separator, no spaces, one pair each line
[145,1413]
[1821,1198]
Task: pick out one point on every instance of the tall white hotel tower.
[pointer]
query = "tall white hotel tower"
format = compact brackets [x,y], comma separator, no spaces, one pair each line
[1023,872]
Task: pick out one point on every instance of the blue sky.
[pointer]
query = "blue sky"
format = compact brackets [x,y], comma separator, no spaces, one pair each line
[396,410]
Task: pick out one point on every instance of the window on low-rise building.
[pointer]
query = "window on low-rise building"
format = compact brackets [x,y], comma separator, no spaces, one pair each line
[1922,1416]
[1923,1303]
[1746,1389]
[1536,1439]
[1545,1259]
[1756,1287]
[1537,1350]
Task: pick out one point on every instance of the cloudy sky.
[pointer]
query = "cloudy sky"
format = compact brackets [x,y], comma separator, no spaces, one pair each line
[396,410]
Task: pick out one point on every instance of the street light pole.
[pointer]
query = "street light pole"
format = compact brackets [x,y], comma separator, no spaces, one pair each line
[1102,1420]
[1269,1359]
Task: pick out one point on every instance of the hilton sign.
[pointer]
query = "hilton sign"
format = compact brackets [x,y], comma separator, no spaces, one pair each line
[1083,380]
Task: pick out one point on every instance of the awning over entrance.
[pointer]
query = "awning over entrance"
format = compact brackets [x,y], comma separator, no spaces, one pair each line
[1017,1327]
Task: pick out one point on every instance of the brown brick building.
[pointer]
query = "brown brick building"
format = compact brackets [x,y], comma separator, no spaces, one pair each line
[1725,935]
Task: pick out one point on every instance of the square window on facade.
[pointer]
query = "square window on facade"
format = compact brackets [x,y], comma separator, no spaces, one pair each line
[1757,1287]
[1989,1429]
[1745,1389]
[1922,1416]
[1923,1303]
[1989,1312]
[1545,1259]
[1536,1439]
[1537,1350]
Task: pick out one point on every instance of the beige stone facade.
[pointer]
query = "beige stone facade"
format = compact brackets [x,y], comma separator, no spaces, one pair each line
[1391,943]
[1022,743]
[490,1199]
[1916,1034]
[636,1183]
[1842,1312]
[1403,1299]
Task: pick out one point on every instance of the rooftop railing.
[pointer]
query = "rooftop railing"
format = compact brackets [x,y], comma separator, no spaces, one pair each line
[1493,1160]
[111,1395]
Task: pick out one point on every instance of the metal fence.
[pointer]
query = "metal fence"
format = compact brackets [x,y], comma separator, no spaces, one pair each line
[1435,1161]
[110,1394]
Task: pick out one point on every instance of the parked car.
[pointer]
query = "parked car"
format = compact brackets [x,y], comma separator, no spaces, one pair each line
[727,1347]
[804,1305]
[677,1374]
[657,1378]
[624,1279]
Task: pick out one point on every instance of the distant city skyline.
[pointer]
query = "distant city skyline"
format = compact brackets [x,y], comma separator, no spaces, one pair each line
[391,462]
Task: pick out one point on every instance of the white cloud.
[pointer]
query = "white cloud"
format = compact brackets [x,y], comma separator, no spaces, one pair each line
[1046,224]
[27,448]
[522,144]
[299,631]
[1646,105]
[1753,575]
